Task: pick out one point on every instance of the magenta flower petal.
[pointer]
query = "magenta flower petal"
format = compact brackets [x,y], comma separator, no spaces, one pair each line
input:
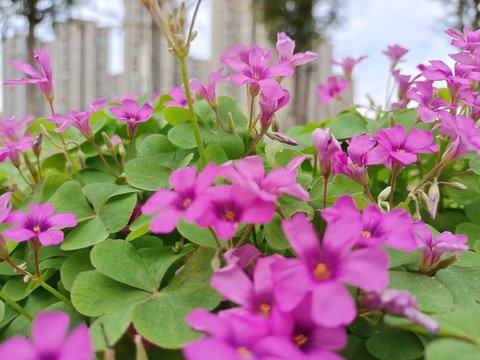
[57,324]
[25,67]
[332,305]
[159,200]
[302,237]
[50,237]
[365,268]
[234,285]
[166,221]
[79,345]
[184,179]
[63,220]
[18,234]
[17,348]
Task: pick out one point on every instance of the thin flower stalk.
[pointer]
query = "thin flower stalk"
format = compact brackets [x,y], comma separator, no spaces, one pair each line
[15,305]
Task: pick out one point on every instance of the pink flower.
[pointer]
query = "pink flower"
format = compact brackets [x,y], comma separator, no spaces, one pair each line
[327,146]
[258,74]
[179,98]
[395,53]
[435,248]
[12,129]
[269,107]
[172,204]
[322,268]
[347,65]
[79,120]
[429,106]
[49,340]
[402,303]
[12,149]
[332,90]
[470,42]
[285,47]
[223,207]
[208,92]
[132,114]
[250,173]
[39,224]
[43,80]
[361,153]
[400,148]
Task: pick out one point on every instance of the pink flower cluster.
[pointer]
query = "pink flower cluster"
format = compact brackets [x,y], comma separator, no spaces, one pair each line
[249,198]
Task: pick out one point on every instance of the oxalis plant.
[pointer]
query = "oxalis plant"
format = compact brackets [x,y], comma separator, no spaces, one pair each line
[181,227]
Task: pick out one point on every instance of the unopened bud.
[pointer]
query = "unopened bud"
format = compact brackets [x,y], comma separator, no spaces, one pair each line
[275,124]
[121,150]
[281,137]
[37,145]
[69,167]
[416,216]
[3,248]
[181,14]
[193,35]
[141,353]
[218,260]
[108,142]
[455,185]
[447,262]
[423,200]
[172,24]
[81,159]
[231,123]
[433,199]
[384,194]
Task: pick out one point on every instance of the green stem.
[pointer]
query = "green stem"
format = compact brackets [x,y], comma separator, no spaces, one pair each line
[369,194]
[244,236]
[54,292]
[218,117]
[104,160]
[215,237]
[392,186]
[438,168]
[17,307]
[193,116]
[24,178]
[67,156]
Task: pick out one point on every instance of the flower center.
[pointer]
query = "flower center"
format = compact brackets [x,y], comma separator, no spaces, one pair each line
[186,202]
[36,229]
[132,119]
[265,310]
[366,234]
[321,272]
[244,351]
[430,106]
[256,77]
[355,165]
[229,216]
[299,340]
[400,150]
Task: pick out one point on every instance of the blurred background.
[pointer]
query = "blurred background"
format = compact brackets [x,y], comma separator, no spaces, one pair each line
[112,48]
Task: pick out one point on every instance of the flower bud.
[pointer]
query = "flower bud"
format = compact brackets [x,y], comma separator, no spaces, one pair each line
[275,124]
[81,159]
[433,199]
[384,194]
[447,262]
[455,185]
[231,123]
[391,119]
[181,14]
[37,145]
[69,167]
[423,200]
[3,248]
[121,150]
[281,137]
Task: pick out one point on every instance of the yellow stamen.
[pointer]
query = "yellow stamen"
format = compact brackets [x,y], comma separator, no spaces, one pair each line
[265,309]
[299,340]
[36,229]
[355,165]
[229,216]
[400,150]
[430,106]
[256,77]
[132,119]
[186,202]
[366,234]
[321,272]
[244,352]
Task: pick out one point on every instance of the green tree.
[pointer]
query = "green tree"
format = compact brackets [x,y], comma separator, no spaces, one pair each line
[463,13]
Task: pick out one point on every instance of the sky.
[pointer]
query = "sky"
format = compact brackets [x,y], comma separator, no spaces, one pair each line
[368,27]
[371,25]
